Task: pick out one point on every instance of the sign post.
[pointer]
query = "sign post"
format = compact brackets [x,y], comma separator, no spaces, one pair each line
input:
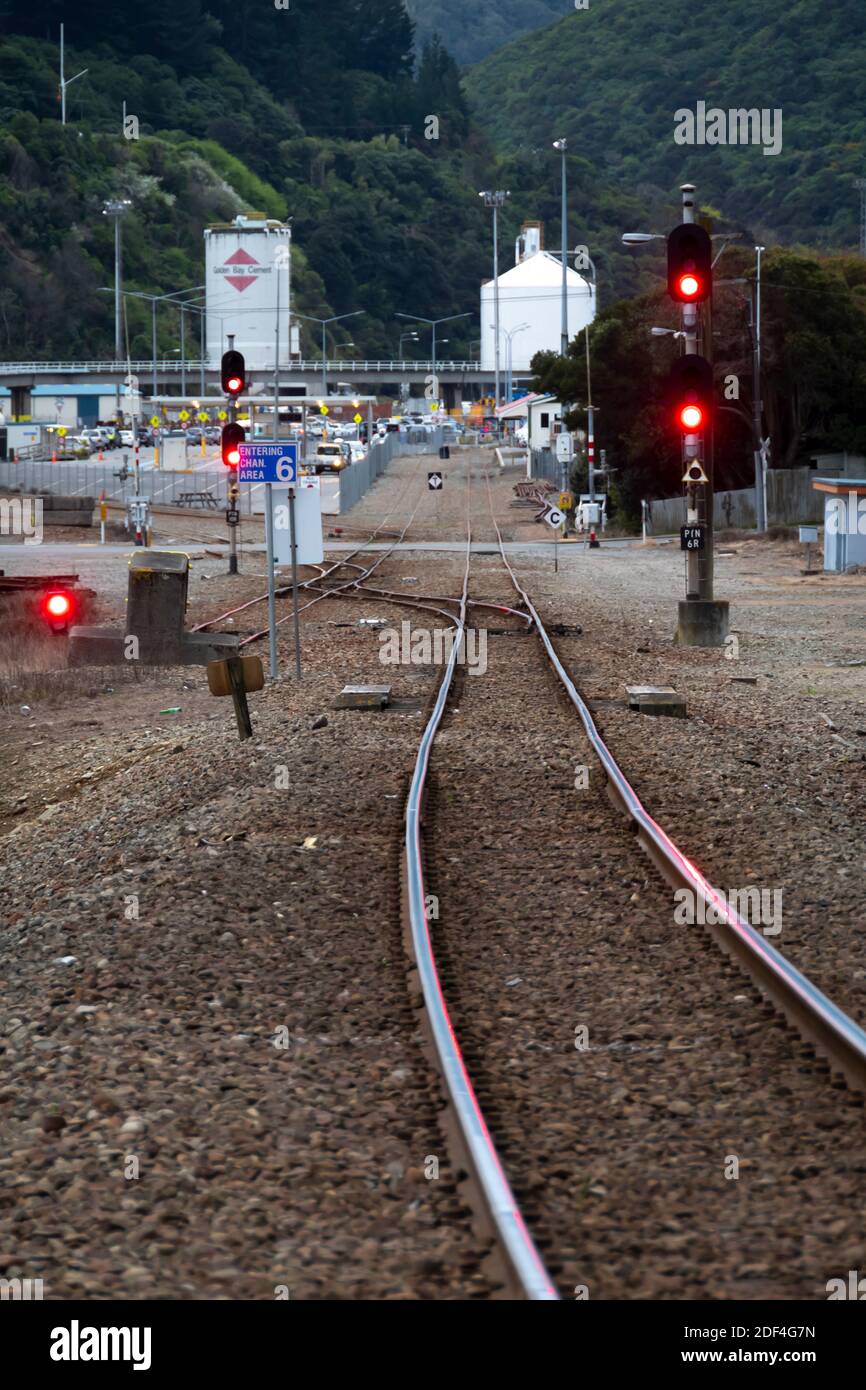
[275,463]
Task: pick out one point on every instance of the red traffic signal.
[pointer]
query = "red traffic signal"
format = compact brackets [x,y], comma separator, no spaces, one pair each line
[233,372]
[58,609]
[690,264]
[690,393]
[233,437]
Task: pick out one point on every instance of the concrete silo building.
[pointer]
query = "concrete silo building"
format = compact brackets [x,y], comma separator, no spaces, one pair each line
[531,293]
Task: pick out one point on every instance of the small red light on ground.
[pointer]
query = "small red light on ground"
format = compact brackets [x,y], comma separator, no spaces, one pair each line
[59,605]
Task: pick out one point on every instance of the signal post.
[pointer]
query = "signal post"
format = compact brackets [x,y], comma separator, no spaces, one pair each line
[233,377]
[703,620]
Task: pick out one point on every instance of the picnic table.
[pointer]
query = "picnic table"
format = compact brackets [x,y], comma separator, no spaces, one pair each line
[205,498]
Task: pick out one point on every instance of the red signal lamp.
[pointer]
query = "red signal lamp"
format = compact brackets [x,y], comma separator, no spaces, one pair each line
[234,384]
[58,610]
[691,417]
[689,285]
[233,436]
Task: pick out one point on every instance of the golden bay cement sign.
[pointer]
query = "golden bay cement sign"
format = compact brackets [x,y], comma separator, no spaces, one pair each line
[241,270]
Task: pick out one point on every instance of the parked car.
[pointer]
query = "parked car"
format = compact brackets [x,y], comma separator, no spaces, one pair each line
[331,457]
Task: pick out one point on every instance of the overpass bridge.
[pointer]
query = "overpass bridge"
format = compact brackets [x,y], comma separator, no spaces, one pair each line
[457,380]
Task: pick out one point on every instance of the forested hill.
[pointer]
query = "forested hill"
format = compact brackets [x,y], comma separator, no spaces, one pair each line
[611,77]
[470,31]
[315,112]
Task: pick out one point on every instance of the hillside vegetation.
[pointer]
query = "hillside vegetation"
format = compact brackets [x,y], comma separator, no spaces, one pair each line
[611,77]
[470,32]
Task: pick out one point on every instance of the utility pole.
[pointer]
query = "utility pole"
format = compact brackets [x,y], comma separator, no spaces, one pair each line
[495,199]
[116,207]
[63,83]
[562,146]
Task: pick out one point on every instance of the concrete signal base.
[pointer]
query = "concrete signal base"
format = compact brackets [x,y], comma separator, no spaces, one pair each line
[702,623]
[155,612]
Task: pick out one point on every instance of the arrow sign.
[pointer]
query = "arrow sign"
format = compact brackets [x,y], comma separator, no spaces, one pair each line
[434,481]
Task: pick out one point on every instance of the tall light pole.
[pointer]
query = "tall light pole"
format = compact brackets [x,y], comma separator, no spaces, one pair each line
[562,146]
[419,318]
[495,198]
[335,318]
[63,82]
[509,357]
[116,207]
[404,336]
[155,299]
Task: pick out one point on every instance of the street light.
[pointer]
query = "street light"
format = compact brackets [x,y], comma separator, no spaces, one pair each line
[562,146]
[638,238]
[411,336]
[509,333]
[154,300]
[335,318]
[419,318]
[116,208]
[495,198]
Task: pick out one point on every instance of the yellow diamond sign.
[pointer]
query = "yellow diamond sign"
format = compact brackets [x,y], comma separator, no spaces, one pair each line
[154,420]
[358,418]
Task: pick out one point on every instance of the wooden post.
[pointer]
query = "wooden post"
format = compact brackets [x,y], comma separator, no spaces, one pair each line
[239,696]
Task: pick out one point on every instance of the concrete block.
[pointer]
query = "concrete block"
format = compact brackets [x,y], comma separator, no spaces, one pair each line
[702,623]
[107,646]
[656,699]
[156,597]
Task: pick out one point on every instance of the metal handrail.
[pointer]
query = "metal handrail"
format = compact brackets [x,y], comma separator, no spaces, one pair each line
[141,367]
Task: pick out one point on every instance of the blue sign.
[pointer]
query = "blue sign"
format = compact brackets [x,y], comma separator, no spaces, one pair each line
[276,462]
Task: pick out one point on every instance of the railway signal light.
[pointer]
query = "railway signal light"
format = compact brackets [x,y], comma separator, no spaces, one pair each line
[690,264]
[233,372]
[233,437]
[58,609]
[690,391]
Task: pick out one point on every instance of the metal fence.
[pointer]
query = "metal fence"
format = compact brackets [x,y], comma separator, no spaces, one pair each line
[165,487]
[546,465]
[356,480]
[160,486]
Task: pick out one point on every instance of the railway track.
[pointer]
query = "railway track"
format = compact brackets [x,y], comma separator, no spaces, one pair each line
[533,1256]
[818,1021]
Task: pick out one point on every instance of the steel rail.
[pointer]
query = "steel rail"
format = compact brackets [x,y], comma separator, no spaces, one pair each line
[522,1256]
[815,1016]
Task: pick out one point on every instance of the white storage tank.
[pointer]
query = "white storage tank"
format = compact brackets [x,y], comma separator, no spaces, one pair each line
[245,260]
[531,293]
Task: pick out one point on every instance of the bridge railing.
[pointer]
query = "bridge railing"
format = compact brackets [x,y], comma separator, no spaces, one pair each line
[191,365]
